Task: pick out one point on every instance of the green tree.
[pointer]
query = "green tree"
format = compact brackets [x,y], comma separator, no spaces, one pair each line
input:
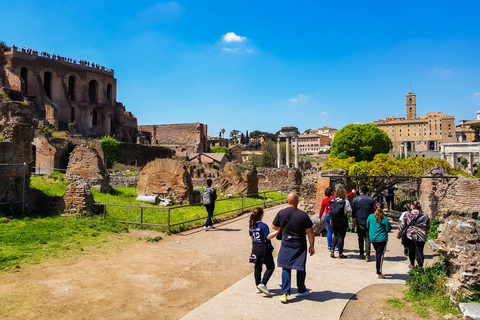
[361,141]
[111,148]
[307,131]
[223,132]
[219,149]
[386,169]
[253,146]
[233,136]
[255,133]
[476,128]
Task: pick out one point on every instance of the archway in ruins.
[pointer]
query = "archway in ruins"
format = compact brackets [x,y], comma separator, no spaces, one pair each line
[166,178]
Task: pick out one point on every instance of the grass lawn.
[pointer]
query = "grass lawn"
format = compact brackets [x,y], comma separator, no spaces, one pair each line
[32,240]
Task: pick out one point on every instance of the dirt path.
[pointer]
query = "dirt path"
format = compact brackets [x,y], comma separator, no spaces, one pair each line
[146,280]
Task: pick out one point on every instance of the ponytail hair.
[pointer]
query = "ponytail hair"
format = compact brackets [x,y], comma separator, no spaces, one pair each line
[379,212]
[256,215]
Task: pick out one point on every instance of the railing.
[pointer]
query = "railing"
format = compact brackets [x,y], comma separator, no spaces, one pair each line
[169,224]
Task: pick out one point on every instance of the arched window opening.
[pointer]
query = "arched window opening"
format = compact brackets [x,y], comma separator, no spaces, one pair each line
[410,101]
[72,114]
[71,88]
[47,84]
[431,146]
[24,76]
[409,146]
[92,91]
[94,118]
[109,94]
[410,109]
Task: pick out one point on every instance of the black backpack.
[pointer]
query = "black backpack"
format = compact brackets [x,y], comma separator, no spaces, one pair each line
[336,210]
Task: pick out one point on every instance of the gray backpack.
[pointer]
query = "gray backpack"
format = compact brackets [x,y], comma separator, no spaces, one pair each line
[207,196]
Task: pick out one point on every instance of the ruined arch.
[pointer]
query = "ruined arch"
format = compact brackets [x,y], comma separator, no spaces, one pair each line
[72,83]
[166,178]
[109,94]
[47,83]
[24,76]
[93,91]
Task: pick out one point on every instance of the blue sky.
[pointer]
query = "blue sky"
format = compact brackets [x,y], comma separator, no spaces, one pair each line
[261,65]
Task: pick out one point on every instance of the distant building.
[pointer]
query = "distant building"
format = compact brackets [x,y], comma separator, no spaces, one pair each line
[312,143]
[219,159]
[259,138]
[217,141]
[423,134]
[183,138]
[246,154]
[327,131]
[236,153]
[77,95]
[463,132]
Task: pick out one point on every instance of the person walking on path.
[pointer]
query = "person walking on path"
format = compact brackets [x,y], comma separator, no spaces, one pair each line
[378,229]
[390,197]
[261,250]
[362,207]
[338,219]
[415,226]
[324,208]
[209,195]
[292,224]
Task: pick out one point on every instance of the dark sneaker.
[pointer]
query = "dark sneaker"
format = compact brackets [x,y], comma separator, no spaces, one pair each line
[368,259]
[342,256]
[362,256]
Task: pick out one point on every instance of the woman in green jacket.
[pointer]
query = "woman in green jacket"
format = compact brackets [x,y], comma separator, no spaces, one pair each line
[378,229]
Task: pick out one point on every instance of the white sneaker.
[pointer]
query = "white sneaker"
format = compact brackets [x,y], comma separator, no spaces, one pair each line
[257,291]
[264,289]
[303,294]
[206,228]
[212,227]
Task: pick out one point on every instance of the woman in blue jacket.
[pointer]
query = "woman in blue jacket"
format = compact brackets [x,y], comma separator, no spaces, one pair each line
[378,229]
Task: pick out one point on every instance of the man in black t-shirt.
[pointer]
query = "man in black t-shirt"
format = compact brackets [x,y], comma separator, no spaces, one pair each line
[293,224]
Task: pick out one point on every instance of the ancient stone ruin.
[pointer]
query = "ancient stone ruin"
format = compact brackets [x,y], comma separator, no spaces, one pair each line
[78,199]
[87,163]
[457,203]
[166,178]
[282,178]
[239,179]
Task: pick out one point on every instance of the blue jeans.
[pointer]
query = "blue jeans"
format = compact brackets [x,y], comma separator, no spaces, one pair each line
[210,208]
[287,281]
[329,230]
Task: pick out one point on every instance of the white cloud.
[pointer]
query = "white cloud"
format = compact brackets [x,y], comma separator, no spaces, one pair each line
[230,50]
[443,71]
[299,98]
[232,37]
[250,50]
[476,95]
[162,12]
[324,113]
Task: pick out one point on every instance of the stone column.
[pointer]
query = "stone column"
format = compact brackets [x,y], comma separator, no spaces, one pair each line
[470,163]
[406,150]
[296,152]
[287,156]
[279,154]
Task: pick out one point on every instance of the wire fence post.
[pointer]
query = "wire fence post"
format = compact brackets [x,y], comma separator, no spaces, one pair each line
[168,220]
[24,187]
[242,202]
[104,211]
[141,216]
[264,203]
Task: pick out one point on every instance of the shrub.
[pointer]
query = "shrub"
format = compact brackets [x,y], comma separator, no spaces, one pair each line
[215,166]
[433,232]
[111,148]
[428,280]
[47,131]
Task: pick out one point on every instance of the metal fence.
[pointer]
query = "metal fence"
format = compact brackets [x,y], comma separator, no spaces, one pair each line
[241,209]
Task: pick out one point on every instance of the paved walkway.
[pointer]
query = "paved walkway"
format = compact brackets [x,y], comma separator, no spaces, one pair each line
[332,282]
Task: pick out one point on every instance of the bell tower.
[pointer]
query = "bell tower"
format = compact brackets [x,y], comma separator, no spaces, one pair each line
[411,106]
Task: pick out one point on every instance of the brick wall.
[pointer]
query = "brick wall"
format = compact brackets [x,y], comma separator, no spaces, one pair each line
[139,155]
[440,195]
[183,137]
[279,178]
